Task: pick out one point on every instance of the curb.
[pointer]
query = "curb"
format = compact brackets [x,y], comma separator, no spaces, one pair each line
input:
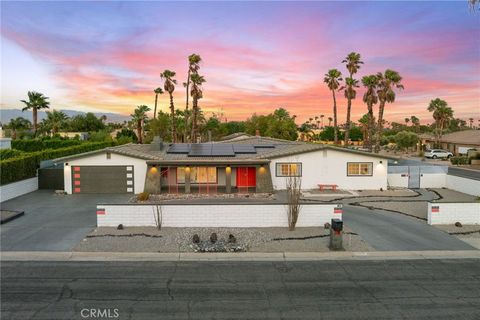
[13,217]
[241,256]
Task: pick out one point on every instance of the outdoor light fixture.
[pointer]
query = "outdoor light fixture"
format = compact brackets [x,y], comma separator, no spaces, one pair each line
[66,164]
[228,169]
[381,161]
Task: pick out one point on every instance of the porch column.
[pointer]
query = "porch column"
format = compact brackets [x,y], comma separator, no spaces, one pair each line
[187,179]
[228,179]
[152,180]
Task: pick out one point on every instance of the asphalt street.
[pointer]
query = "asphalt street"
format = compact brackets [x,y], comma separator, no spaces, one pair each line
[393,289]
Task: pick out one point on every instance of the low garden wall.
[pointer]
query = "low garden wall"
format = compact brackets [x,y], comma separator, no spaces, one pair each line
[19,188]
[214,215]
[449,213]
[465,185]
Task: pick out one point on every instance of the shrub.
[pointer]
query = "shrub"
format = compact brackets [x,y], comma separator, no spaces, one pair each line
[213,237]
[9,153]
[459,160]
[25,166]
[42,144]
[143,196]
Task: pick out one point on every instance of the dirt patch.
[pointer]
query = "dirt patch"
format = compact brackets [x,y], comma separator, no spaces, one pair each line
[417,209]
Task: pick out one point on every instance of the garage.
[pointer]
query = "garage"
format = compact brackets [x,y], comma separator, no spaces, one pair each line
[102,179]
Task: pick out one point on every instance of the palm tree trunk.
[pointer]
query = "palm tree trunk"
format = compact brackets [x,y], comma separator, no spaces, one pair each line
[155,109]
[335,128]
[139,131]
[34,114]
[174,125]
[371,126]
[194,120]
[347,123]
[381,109]
[185,136]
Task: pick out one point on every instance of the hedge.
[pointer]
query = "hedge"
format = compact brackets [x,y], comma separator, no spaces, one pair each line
[9,153]
[459,160]
[25,166]
[39,145]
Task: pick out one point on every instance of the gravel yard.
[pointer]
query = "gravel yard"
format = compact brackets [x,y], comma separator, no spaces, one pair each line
[149,239]
[467,233]
[455,196]
[387,193]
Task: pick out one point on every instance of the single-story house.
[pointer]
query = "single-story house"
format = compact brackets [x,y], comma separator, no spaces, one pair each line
[456,142]
[243,164]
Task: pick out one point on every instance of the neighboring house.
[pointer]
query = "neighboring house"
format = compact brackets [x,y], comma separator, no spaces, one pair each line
[5,143]
[456,142]
[252,164]
[82,135]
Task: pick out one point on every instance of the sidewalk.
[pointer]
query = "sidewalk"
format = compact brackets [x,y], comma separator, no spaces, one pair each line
[241,256]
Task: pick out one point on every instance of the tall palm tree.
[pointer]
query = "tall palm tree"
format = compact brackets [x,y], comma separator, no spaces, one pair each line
[471,122]
[332,79]
[442,114]
[193,67]
[139,117]
[364,124]
[18,123]
[352,63]
[415,122]
[370,97]
[55,121]
[330,119]
[36,101]
[407,120]
[169,86]
[197,93]
[157,92]
[321,119]
[387,82]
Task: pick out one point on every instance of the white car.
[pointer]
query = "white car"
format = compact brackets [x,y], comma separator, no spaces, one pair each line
[438,153]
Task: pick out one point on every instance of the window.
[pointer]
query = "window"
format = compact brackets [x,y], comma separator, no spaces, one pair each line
[288,169]
[359,169]
[198,175]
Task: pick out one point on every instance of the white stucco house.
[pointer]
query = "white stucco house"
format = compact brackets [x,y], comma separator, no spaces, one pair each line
[242,164]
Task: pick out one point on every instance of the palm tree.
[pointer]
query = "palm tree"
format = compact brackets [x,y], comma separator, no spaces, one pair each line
[364,124]
[332,79]
[193,67]
[352,63]
[471,122]
[415,122]
[169,86]
[157,92]
[321,118]
[36,101]
[370,98]
[55,121]
[18,123]
[442,114]
[387,82]
[139,117]
[330,119]
[197,93]
[407,120]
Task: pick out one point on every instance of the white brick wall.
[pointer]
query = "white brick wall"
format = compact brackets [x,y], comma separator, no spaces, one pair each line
[449,213]
[19,188]
[464,185]
[215,215]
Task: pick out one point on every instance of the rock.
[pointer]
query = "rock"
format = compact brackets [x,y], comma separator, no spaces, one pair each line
[120,227]
[327,225]
[458,224]
[196,239]
[231,238]
[213,237]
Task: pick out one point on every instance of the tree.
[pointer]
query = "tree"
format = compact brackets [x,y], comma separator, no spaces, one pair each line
[161,126]
[330,119]
[352,63]
[55,121]
[321,118]
[407,120]
[365,128]
[157,92]
[193,67]
[85,123]
[169,86]
[328,134]
[370,98]
[415,122]
[442,114]
[278,124]
[17,124]
[36,101]
[405,139]
[332,79]
[139,116]
[126,136]
[197,93]
[470,120]
[387,82]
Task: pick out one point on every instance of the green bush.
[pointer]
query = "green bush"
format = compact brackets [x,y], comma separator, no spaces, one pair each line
[42,144]
[459,160]
[9,153]
[25,166]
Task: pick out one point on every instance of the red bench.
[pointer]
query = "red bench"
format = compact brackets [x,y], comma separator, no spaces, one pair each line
[329,186]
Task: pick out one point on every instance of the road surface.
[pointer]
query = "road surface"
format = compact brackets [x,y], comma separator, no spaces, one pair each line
[402,289]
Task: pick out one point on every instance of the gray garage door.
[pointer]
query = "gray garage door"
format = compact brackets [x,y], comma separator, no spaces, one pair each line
[102,179]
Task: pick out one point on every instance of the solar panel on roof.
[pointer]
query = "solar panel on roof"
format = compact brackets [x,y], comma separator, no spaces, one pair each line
[200,150]
[179,148]
[224,150]
[244,148]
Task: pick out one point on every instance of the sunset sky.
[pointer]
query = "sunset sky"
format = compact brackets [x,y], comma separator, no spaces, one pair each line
[257,56]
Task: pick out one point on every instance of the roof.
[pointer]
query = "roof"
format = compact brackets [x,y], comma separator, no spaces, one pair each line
[235,136]
[281,148]
[463,137]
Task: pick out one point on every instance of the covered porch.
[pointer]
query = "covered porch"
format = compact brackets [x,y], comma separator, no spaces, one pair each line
[208,177]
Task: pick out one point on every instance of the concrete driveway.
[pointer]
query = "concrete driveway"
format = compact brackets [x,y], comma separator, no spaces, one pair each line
[52,222]
[387,231]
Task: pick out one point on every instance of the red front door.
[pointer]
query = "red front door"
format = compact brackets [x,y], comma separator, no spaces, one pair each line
[246,177]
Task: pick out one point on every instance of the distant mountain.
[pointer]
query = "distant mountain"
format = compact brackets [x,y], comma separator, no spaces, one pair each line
[7,114]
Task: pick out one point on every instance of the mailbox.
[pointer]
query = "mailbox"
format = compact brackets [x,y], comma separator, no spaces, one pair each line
[336,235]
